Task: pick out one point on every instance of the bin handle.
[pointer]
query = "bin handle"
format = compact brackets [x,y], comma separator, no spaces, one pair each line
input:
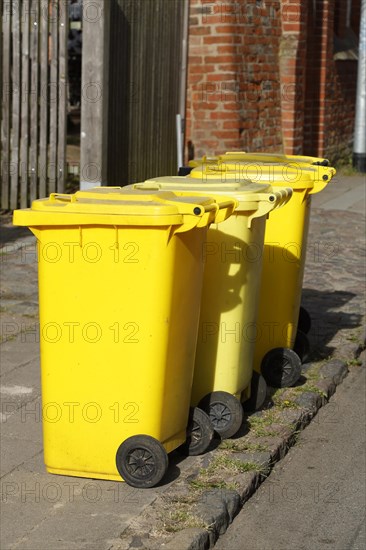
[319,185]
[209,214]
[201,217]
[265,204]
[215,212]
[270,201]
[324,162]
[225,209]
[285,194]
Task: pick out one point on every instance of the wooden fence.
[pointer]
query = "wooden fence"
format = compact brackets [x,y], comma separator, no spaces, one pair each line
[132,56]
[144,88]
[132,61]
[33,99]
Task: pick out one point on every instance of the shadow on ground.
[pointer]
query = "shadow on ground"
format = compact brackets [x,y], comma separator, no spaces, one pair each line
[328,311]
[9,234]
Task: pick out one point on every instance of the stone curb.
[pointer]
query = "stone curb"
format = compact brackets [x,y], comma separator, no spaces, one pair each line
[216,508]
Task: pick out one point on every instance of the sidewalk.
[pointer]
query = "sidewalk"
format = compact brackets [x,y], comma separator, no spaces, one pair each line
[40,510]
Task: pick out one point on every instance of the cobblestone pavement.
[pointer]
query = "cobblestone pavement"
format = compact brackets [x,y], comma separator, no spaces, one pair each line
[201,494]
[334,286]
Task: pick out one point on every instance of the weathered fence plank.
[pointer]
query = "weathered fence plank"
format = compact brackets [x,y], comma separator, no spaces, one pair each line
[34,99]
[94,99]
[5,107]
[144,88]
[24,95]
[54,93]
[14,171]
[44,95]
[62,106]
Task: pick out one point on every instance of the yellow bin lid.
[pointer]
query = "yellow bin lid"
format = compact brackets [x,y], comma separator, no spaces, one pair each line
[300,176]
[255,199]
[119,206]
[238,189]
[264,157]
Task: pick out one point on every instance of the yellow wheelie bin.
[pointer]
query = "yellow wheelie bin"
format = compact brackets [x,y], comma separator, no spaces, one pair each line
[120,280]
[232,257]
[253,159]
[291,161]
[280,348]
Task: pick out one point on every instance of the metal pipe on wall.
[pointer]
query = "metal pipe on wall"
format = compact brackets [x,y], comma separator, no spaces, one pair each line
[359,146]
[181,117]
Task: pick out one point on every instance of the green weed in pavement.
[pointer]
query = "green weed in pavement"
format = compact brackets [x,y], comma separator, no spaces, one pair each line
[221,468]
[354,363]
[180,518]
[311,388]
[239,446]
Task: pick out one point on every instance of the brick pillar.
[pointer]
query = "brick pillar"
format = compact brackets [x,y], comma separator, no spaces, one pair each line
[233,96]
[260,90]
[320,98]
[212,108]
[293,73]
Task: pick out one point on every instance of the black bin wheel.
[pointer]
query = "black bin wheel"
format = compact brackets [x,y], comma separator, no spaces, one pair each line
[142,461]
[304,323]
[199,433]
[258,393]
[302,346]
[225,412]
[281,367]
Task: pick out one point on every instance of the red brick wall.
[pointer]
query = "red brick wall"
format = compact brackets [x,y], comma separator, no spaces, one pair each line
[262,76]
[234,89]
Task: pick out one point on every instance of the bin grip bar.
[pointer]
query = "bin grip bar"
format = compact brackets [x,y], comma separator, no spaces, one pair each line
[148,186]
[63,196]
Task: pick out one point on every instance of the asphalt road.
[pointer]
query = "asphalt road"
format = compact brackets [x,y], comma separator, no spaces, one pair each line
[315,498]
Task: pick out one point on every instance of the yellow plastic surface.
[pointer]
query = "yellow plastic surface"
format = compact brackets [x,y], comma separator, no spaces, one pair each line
[119,318]
[233,261]
[284,244]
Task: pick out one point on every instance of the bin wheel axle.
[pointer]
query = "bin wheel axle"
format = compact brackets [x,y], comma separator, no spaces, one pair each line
[304,323]
[302,346]
[199,433]
[225,412]
[142,461]
[281,367]
[258,393]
